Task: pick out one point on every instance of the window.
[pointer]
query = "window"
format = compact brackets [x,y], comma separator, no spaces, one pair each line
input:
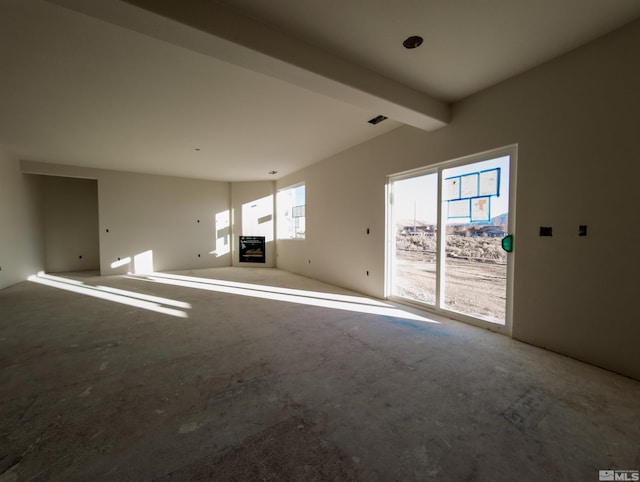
[291,212]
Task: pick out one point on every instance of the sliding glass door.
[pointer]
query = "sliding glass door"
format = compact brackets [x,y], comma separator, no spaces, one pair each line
[415,202]
[446,232]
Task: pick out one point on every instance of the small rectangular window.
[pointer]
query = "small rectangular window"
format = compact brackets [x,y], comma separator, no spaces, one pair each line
[291,212]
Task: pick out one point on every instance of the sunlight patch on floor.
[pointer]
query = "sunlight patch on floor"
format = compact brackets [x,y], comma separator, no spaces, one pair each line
[311,298]
[125,297]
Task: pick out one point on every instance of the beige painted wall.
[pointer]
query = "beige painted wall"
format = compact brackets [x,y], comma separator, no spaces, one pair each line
[253,215]
[575,122]
[21,234]
[70,224]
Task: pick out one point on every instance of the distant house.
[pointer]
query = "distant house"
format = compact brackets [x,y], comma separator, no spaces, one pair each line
[418,230]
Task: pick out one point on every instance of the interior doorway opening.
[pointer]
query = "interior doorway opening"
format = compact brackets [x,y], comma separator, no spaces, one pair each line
[446,233]
[70,223]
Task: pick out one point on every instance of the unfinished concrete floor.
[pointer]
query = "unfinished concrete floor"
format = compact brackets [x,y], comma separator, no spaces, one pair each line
[245,378]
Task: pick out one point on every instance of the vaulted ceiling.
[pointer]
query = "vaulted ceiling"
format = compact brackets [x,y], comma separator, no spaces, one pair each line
[234,89]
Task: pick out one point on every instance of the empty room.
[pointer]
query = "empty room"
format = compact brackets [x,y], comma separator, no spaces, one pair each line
[319,241]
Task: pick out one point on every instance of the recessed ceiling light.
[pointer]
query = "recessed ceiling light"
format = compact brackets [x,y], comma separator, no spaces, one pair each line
[413,42]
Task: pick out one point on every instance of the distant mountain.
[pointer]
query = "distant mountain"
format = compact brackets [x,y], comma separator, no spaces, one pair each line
[409,222]
[503,219]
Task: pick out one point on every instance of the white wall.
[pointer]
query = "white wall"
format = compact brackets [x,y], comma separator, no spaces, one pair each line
[166,220]
[575,122]
[21,235]
[253,215]
[344,197]
[174,218]
[70,224]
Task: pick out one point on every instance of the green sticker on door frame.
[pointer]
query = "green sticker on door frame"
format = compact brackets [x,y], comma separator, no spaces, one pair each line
[507,243]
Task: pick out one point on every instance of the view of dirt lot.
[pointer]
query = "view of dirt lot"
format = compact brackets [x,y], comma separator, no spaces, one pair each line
[475,273]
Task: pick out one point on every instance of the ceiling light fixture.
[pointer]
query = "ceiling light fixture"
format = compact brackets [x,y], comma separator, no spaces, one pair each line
[413,42]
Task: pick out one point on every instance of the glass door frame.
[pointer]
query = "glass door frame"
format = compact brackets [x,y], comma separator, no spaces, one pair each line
[512,152]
